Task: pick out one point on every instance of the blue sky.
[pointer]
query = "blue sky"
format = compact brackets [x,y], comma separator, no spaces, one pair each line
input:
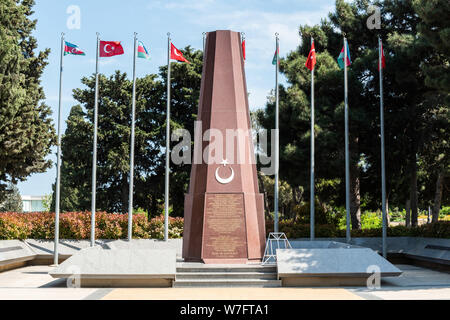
[152,19]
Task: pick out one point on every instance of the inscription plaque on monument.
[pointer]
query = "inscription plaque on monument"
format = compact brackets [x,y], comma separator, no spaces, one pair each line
[224,230]
[223,209]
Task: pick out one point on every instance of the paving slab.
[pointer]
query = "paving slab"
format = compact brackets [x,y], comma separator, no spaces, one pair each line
[232,294]
[45,294]
[28,277]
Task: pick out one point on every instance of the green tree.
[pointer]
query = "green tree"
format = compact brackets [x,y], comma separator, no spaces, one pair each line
[12,201]
[26,130]
[407,106]
[114,130]
[434,34]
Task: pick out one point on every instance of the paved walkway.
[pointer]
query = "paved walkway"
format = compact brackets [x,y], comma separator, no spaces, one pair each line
[33,282]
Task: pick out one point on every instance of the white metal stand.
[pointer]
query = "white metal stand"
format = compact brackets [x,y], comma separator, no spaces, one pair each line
[276,240]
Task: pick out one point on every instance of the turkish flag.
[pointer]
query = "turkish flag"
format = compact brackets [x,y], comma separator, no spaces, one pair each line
[176,54]
[311,61]
[243,48]
[110,48]
[383,59]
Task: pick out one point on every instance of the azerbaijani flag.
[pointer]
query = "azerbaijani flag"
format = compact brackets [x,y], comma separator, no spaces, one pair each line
[142,51]
[70,48]
[341,58]
[276,57]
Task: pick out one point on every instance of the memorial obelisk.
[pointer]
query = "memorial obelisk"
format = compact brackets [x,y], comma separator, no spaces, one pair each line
[224,211]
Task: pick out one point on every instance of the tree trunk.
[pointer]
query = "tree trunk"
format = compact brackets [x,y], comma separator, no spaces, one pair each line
[408,213]
[438,196]
[124,193]
[413,186]
[388,220]
[355,196]
[263,190]
[153,207]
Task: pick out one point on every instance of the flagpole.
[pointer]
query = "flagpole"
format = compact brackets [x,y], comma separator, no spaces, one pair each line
[347,156]
[58,161]
[94,149]
[277,142]
[133,120]
[166,196]
[204,42]
[312,198]
[383,164]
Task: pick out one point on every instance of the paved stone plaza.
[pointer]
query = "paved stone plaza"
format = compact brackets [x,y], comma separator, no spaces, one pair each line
[415,283]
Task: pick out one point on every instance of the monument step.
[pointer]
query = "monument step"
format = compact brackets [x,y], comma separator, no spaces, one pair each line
[203,268]
[226,283]
[227,275]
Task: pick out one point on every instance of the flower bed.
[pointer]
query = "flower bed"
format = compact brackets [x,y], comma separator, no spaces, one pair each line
[77,225]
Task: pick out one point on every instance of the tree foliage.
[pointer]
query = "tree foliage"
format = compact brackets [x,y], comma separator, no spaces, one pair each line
[26,130]
[416,121]
[114,129]
[12,201]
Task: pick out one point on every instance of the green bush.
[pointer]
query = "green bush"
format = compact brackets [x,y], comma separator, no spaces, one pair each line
[77,225]
[369,220]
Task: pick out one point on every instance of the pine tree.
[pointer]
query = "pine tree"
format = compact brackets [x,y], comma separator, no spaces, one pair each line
[12,201]
[411,117]
[26,130]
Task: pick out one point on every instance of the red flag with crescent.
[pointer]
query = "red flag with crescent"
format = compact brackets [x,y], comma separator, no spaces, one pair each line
[311,61]
[383,59]
[110,48]
[176,54]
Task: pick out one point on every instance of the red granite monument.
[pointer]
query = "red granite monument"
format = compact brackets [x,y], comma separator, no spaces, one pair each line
[223,210]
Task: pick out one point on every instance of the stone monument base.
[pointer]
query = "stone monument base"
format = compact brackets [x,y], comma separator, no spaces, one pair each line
[231,232]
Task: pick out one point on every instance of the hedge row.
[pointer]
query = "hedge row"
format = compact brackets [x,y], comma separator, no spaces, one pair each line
[77,225]
[292,230]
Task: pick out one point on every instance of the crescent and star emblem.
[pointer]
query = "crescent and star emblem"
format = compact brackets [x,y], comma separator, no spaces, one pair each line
[177,52]
[222,180]
[105,48]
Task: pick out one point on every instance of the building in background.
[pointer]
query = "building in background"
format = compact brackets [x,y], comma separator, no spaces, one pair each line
[33,203]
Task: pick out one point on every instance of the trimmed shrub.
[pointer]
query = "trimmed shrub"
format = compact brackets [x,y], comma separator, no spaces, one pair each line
[77,225]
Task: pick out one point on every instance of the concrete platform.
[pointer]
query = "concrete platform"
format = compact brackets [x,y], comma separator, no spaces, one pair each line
[171,244]
[330,264]
[14,254]
[67,248]
[432,252]
[99,267]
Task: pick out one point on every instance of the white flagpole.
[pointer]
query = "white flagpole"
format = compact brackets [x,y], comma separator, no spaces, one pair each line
[277,136]
[383,165]
[166,196]
[58,162]
[347,156]
[133,119]
[312,201]
[204,43]
[94,150]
